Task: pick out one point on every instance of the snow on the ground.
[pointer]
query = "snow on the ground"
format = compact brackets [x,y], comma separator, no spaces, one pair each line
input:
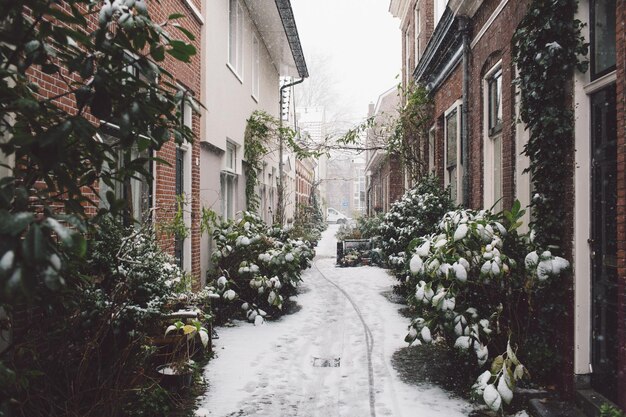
[268,370]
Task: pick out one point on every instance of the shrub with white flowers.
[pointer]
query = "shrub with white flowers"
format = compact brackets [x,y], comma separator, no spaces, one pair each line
[474,283]
[259,266]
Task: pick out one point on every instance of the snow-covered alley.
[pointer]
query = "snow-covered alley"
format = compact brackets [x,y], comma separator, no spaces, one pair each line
[331,358]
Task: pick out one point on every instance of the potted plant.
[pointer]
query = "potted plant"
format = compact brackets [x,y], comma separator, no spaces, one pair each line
[177,373]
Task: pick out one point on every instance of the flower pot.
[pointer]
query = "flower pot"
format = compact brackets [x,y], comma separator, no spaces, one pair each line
[174,378]
[365,261]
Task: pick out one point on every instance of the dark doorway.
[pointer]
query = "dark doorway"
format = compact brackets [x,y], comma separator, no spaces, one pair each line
[604,242]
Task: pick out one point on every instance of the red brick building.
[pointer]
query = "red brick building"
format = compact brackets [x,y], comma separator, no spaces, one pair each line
[157,201]
[305,177]
[384,172]
[461,51]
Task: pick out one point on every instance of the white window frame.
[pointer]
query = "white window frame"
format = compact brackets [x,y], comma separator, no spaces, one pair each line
[228,190]
[256,67]
[492,145]
[187,207]
[439,7]
[457,106]
[407,57]
[417,24]
[432,143]
[230,157]
[235,38]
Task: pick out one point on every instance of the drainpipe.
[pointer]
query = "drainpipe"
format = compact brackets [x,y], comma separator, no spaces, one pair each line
[280,209]
[464,29]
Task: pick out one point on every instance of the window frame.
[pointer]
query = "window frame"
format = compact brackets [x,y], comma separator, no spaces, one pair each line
[493,174]
[592,45]
[494,79]
[256,67]
[417,28]
[230,161]
[235,59]
[456,109]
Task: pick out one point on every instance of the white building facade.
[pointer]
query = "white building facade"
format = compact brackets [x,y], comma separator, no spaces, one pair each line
[247,46]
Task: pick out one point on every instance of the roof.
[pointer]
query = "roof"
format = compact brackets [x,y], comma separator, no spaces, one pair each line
[283,45]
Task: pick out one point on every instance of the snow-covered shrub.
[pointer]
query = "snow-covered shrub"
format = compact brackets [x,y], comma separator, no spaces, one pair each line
[475,281]
[132,278]
[258,265]
[416,214]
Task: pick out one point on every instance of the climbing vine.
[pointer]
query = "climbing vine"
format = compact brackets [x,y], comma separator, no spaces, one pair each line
[411,131]
[548,45]
[259,132]
[547,49]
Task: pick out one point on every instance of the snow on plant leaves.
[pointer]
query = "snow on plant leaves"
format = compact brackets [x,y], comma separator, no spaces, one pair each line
[505,392]
[424,249]
[492,398]
[461,232]
[460,272]
[426,336]
[416,265]
[462,342]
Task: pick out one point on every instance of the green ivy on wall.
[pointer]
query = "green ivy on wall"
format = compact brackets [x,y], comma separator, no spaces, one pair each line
[548,46]
[258,134]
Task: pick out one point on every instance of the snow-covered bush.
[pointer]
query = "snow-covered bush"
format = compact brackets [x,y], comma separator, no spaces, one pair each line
[132,278]
[475,280]
[416,214]
[258,266]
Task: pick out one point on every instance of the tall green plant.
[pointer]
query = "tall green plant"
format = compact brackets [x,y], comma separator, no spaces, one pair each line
[548,45]
[411,130]
[59,153]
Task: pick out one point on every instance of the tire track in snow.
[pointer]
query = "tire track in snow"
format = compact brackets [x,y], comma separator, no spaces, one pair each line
[369,340]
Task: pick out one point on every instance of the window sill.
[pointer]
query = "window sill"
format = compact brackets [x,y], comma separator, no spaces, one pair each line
[256,100]
[230,67]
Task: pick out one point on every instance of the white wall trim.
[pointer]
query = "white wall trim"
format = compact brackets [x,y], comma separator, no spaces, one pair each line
[582,214]
[194,11]
[600,83]
[489,22]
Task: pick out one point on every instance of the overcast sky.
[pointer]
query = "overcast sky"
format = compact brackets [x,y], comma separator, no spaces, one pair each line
[357,44]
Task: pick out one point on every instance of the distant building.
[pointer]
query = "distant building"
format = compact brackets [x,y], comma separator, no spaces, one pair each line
[385,177]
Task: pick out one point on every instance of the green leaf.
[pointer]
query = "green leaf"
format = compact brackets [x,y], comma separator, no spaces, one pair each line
[14,224]
[157,52]
[187,33]
[175,16]
[497,364]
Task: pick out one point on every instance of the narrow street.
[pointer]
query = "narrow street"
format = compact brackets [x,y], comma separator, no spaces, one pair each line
[330,358]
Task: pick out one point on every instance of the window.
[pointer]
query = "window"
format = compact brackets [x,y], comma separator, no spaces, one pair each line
[493,139]
[452,123]
[602,31]
[182,246]
[431,150]
[407,57]
[418,31]
[255,67]
[494,101]
[228,190]
[135,192]
[231,156]
[235,38]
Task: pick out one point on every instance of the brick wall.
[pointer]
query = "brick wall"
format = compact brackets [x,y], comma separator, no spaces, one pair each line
[621,197]
[448,93]
[494,45]
[188,75]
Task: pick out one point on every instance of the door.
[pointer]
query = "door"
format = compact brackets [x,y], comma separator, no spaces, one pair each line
[180,190]
[603,242]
